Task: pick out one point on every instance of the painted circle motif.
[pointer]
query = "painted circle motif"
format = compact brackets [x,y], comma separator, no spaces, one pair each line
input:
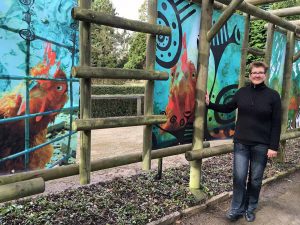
[169,47]
[224,96]
[27,34]
[26,2]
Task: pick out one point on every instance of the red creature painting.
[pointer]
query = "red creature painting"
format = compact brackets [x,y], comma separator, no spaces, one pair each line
[45,95]
[181,104]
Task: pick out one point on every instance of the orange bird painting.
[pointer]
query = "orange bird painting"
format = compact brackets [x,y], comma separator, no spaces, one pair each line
[181,105]
[45,95]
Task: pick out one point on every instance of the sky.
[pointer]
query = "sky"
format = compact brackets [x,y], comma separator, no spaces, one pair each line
[128,8]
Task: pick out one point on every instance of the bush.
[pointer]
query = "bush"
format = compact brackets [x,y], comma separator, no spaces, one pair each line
[117,89]
[115,107]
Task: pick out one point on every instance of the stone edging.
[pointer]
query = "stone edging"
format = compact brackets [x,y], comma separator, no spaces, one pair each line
[171,218]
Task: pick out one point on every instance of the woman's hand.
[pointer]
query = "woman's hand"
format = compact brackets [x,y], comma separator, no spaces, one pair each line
[206,98]
[271,153]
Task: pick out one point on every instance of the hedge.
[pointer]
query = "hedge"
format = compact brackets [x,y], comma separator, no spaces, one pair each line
[115,107]
[117,89]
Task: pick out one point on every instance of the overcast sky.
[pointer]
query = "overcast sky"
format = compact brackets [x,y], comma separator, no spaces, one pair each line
[128,8]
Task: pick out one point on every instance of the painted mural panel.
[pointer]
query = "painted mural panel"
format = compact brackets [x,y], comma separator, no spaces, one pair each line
[223,75]
[38,98]
[178,55]
[277,61]
[294,114]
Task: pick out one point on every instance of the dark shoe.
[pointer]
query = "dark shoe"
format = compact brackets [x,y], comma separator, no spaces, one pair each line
[250,216]
[233,216]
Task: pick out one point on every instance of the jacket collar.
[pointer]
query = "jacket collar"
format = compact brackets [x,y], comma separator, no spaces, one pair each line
[258,86]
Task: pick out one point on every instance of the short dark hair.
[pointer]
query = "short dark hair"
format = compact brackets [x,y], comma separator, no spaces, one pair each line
[258,64]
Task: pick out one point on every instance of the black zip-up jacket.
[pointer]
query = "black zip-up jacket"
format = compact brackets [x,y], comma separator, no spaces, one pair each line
[259,115]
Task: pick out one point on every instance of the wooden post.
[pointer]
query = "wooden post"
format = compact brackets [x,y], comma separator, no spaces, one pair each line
[139,106]
[149,88]
[223,18]
[85,97]
[244,51]
[201,86]
[269,46]
[21,189]
[286,86]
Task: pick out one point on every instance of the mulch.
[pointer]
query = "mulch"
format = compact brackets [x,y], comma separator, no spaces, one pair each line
[138,199]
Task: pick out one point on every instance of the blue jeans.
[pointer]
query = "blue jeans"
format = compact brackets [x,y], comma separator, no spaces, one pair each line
[252,158]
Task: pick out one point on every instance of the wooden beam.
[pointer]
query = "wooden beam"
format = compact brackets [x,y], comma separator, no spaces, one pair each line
[262,14]
[212,151]
[292,11]
[99,164]
[286,86]
[111,122]
[244,51]
[117,73]
[224,149]
[101,18]
[290,135]
[297,22]
[282,30]
[21,189]
[268,51]
[179,149]
[256,51]
[201,87]
[217,5]
[262,2]
[226,14]
[85,96]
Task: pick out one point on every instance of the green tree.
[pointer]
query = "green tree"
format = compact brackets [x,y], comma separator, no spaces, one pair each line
[109,45]
[137,50]
[258,32]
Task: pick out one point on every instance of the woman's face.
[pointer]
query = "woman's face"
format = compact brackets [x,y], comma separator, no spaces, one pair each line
[257,75]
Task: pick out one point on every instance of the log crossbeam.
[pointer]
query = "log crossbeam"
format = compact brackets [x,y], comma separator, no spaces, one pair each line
[262,14]
[256,51]
[111,122]
[227,13]
[100,18]
[291,11]
[116,73]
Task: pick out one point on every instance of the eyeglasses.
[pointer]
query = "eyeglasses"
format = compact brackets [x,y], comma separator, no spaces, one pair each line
[260,73]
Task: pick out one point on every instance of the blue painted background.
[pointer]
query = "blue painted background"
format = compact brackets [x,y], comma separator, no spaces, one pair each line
[26,26]
[277,61]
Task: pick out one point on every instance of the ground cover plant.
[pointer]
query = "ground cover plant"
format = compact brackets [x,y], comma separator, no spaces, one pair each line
[138,199]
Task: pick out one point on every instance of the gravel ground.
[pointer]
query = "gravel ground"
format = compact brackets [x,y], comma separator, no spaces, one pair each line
[137,199]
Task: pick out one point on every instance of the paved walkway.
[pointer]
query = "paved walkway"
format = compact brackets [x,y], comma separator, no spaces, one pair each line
[279,205]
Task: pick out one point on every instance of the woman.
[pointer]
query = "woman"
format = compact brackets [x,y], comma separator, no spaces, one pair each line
[256,138]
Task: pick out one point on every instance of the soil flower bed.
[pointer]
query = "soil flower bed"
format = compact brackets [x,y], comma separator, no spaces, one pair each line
[138,199]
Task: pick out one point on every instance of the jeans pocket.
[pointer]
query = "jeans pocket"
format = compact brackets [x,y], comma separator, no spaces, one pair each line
[239,147]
